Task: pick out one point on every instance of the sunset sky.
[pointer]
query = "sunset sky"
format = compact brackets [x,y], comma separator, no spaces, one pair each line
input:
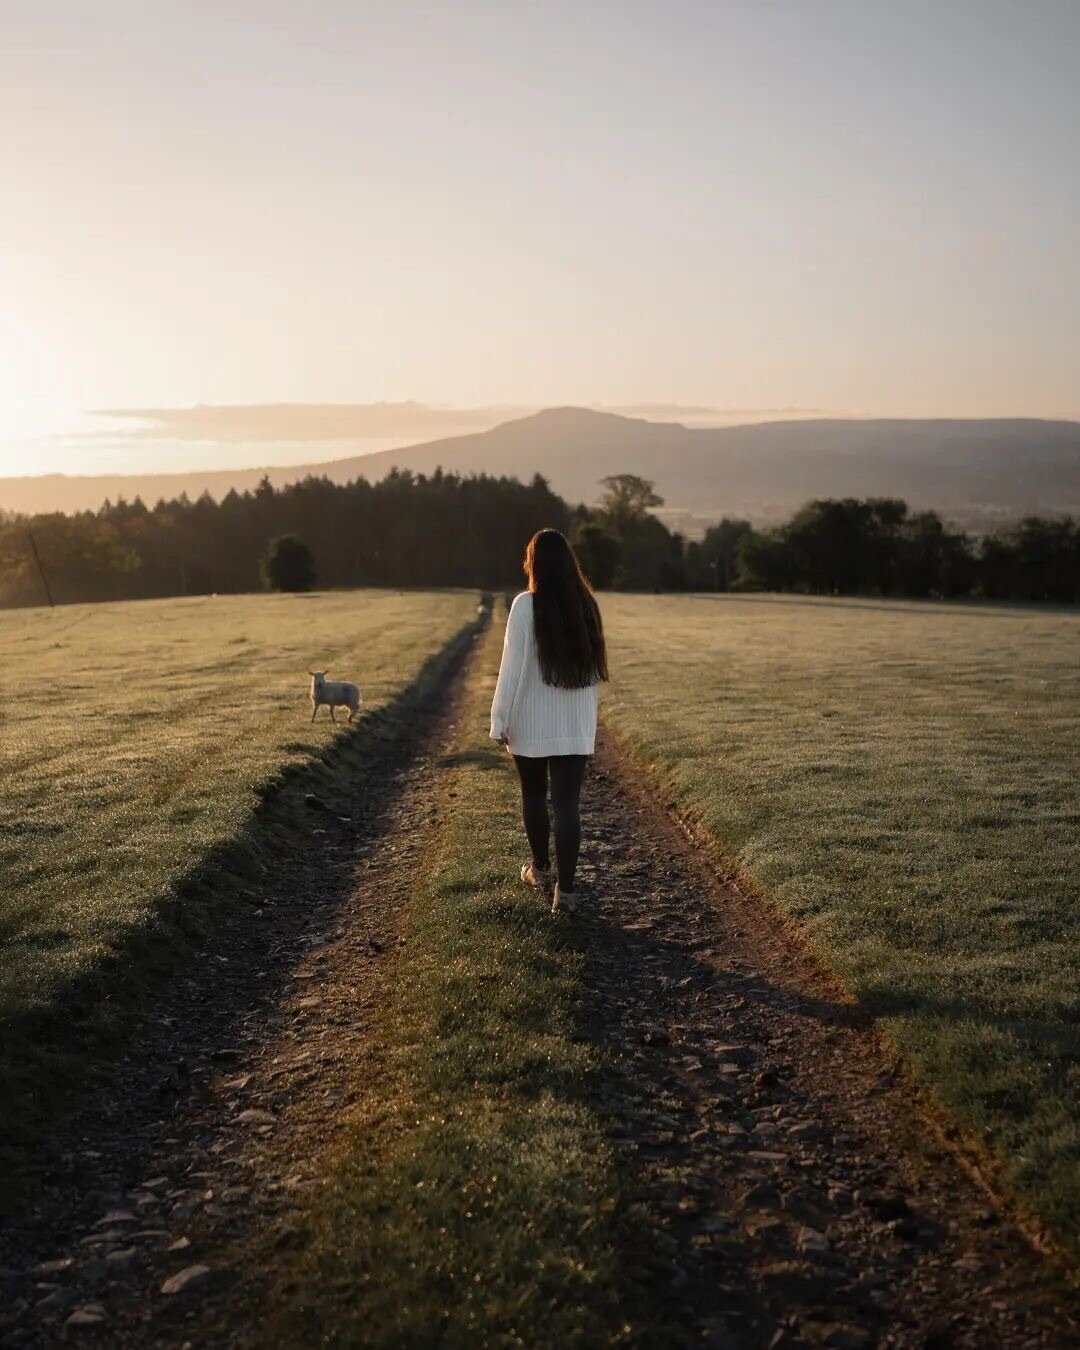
[861,206]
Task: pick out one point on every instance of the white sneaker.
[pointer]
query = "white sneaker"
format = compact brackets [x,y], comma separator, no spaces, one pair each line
[565,902]
[535,876]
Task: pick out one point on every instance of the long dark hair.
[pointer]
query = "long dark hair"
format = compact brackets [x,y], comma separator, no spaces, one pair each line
[566,617]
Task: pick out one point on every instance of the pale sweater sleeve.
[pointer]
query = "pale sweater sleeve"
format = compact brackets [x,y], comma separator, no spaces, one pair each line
[510,670]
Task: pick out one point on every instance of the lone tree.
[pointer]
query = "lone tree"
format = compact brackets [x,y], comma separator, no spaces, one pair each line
[288,565]
[646,545]
[628,498]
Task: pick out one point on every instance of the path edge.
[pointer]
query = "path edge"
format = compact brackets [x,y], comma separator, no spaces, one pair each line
[970,1154]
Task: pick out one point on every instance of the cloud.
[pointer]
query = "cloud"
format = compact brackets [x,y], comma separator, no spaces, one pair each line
[306,421]
[682,412]
[254,422]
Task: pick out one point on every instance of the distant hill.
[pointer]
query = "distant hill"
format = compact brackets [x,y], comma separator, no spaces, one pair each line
[974,471]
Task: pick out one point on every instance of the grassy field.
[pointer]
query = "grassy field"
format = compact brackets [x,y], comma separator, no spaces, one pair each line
[904,780]
[481,1108]
[137,738]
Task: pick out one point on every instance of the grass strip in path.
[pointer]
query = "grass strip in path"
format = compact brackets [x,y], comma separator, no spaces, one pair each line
[473,1203]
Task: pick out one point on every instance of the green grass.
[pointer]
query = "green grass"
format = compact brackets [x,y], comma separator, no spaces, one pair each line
[473,1201]
[904,780]
[137,740]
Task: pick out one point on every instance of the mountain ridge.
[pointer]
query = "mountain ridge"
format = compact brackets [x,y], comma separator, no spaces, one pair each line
[971,469]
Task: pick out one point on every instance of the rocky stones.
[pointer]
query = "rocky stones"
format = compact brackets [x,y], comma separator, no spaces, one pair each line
[811,1242]
[849,1338]
[762,1195]
[116,1216]
[807,1205]
[727,1053]
[89,1315]
[787,1338]
[54,1303]
[883,1205]
[185,1279]
[765,1226]
[792,1280]
[48,1270]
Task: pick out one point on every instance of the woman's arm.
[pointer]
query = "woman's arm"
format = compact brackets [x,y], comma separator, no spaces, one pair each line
[513,663]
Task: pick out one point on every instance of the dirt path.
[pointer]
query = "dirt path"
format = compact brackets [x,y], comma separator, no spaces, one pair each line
[795,1197]
[786,1193]
[216,1120]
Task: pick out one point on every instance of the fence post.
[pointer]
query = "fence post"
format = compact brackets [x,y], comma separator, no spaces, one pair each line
[41,568]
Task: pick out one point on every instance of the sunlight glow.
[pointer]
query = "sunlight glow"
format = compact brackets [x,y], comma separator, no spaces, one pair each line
[752,206]
[27,404]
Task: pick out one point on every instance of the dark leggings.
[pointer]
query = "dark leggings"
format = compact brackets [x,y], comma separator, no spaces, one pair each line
[567,771]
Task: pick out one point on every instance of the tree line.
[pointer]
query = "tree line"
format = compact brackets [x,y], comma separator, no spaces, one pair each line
[406,530]
[446,529]
[879,546]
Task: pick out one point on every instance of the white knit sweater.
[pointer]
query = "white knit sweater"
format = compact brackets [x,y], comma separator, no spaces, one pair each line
[538,718]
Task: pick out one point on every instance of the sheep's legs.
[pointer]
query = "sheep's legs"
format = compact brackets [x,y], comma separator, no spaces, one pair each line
[332,717]
[314,710]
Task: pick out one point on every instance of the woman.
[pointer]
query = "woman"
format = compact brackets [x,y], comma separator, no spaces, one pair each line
[544,710]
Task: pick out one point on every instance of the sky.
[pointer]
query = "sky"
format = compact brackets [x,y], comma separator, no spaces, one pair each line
[858,206]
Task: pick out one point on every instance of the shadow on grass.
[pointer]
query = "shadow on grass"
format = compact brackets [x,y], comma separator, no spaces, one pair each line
[120,1041]
[1062,1036]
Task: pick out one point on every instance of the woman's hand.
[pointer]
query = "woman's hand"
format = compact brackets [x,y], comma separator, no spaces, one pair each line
[503,740]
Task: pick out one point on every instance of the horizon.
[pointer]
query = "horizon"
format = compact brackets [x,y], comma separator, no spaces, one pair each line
[102,450]
[119,451]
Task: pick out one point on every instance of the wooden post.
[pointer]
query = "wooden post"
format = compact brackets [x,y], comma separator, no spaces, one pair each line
[41,568]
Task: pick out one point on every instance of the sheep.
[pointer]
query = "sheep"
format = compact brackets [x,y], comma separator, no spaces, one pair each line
[334,693]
